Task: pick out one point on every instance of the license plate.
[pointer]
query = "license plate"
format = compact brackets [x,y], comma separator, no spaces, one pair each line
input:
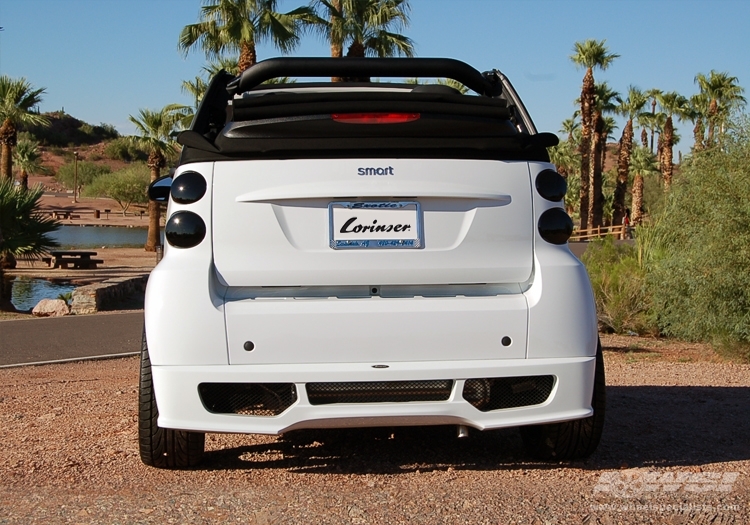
[384,224]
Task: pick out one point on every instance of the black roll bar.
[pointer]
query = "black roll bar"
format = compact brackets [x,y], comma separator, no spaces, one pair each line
[484,84]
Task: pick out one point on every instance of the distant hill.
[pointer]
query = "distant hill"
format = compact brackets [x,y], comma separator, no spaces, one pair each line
[66,135]
[67,131]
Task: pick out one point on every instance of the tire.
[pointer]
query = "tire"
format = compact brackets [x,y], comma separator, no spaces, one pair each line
[576,439]
[162,447]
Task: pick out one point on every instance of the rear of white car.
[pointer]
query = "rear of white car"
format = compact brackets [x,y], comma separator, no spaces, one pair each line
[332,268]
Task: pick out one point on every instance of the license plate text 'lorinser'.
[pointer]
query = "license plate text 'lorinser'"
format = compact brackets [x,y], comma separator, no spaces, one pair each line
[383,224]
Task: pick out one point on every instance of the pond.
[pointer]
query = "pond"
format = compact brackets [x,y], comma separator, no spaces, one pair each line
[26,293]
[79,237]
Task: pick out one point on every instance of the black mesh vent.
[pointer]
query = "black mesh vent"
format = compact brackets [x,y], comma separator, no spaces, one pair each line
[379,392]
[507,392]
[252,399]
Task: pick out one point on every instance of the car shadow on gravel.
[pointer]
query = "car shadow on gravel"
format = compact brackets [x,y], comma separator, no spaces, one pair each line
[645,426]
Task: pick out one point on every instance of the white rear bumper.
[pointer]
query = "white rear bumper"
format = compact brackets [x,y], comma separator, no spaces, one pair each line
[180,406]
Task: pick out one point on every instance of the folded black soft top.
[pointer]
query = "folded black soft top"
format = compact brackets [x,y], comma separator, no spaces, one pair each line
[240,118]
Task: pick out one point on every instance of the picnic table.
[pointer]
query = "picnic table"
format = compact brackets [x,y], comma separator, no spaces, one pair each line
[81,260]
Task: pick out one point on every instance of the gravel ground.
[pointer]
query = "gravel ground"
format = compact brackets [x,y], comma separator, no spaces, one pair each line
[675,450]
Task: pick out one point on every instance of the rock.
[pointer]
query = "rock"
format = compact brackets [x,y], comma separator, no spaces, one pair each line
[51,308]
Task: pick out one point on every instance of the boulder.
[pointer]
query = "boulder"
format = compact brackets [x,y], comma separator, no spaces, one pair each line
[51,308]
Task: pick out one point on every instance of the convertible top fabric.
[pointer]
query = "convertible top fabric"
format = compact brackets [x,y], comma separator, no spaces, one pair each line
[281,122]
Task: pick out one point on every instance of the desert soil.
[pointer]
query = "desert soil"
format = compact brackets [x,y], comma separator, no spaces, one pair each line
[676,415]
[676,423]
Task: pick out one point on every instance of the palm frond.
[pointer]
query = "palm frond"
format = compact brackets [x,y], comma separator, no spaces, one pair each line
[25,232]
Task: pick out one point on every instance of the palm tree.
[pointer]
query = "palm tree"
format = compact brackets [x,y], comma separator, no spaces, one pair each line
[332,28]
[653,94]
[671,103]
[629,107]
[28,160]
[567,159]
[589,54]
[603,103]
[698,114]
[642,163]
[364,27]
[571,127]
[155,129]
[649,122]
[17,98]
[236,26]
[195,89]
[449,82]
[229,64]
[724,95]
[24,232]
[608,128]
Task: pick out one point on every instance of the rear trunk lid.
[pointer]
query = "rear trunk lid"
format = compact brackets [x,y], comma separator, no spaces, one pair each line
[341,222]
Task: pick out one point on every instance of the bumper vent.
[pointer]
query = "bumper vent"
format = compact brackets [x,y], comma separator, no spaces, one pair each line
[507,392]
[251,399]
[379,392]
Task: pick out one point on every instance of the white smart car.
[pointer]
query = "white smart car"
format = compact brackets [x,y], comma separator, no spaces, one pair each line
[359,254]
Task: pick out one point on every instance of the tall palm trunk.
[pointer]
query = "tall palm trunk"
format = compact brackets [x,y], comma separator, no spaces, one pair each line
[637,217]
[25,179]
[698,132]
[713,110]
[644,138]
[248,57]
[660,154]
[596,198]
[337,47]
[356,50]
[6,164]
[156,161]
[653,112]
[5,304]
[7,141]
[587,104]
[667,137]
[623,172]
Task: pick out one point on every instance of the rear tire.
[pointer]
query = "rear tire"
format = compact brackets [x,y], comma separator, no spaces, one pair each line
[571,439]
[162,447]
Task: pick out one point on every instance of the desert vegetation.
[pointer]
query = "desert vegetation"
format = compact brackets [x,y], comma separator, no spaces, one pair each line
[688,273]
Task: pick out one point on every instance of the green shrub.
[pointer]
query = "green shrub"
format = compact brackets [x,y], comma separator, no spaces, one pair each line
[126,187]
[87,172]
[619,284]
[122,149]
[107,131]
[700,279]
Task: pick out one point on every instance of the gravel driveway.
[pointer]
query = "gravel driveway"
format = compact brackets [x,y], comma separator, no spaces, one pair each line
[676,449]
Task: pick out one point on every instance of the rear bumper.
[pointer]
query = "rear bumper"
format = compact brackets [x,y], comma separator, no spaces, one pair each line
[180,406]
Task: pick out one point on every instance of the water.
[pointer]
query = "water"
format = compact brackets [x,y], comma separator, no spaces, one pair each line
[79,237]
[26,293]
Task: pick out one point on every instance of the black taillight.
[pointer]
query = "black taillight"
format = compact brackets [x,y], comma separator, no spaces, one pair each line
[188,188]
[185,229]
[555,226]
[551,185]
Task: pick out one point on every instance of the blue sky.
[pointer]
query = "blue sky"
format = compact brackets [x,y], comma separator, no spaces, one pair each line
[102,60]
